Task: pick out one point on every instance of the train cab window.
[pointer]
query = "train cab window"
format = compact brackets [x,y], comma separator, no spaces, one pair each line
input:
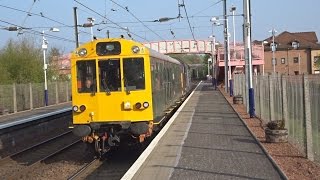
[133,70]
[86,76]
[110,76]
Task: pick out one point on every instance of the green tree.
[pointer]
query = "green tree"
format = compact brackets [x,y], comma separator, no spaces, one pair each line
[21,61]
[188,58]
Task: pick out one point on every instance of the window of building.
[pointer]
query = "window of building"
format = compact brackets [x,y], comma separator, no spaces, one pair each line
[283,60]
[296,60]
[316,59]
[296,72]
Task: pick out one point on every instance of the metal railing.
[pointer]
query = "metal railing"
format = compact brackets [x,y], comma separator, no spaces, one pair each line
[20,97]
[295,99]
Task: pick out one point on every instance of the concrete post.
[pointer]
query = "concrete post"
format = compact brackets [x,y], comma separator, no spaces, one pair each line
[31,96]
[261,82]
[57,93]
[67,91]
[308,121]
[271,98]
[285,114]
[14,92]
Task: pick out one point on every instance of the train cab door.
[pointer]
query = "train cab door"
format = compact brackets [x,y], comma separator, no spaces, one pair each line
[110,90]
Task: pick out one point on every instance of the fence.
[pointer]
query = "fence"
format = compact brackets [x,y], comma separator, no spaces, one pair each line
[21,97]
[295,99]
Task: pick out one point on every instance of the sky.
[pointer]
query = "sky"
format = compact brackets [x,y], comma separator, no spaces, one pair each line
[137,16]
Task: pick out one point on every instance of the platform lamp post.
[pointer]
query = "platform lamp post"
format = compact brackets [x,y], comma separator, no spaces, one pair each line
[233,9]
[227,64]
[263,44]
[45,65]
[209,61]
[214,60]
[90,24]
[273,49]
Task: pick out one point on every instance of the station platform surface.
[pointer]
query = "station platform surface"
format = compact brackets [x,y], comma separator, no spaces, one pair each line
[206,140]
[33,113]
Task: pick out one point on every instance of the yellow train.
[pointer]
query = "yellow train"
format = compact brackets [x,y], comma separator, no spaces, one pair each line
[122,88]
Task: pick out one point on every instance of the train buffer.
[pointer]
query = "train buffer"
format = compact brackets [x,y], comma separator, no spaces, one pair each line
[206,140]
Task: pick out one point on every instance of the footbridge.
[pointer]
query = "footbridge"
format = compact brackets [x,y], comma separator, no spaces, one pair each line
[237,58]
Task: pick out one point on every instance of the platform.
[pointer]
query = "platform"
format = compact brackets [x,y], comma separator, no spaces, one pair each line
[205,140]
[23,116]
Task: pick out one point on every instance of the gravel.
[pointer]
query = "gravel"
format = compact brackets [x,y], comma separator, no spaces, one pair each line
[292,162]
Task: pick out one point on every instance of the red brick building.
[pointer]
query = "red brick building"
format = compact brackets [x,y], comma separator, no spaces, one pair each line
[295,53]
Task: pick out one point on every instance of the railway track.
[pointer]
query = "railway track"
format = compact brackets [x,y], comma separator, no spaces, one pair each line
[116,163]
[16,166]
[86,170]
[112,167]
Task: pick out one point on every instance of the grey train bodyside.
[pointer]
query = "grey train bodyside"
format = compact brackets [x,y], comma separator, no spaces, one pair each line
[170,80]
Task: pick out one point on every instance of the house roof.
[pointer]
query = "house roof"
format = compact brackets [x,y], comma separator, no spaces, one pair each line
[284,40]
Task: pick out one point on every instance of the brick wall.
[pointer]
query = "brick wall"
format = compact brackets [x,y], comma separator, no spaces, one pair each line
[288,66]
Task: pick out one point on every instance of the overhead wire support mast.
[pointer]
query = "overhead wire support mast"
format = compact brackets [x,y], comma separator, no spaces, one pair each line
[226,46]
[247,35]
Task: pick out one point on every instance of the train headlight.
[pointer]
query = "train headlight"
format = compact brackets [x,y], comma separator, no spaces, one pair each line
[135,49]
[82,108]
[145,104]
[110,47]
[82,52]
[127,105]
[138,105]
[75,108]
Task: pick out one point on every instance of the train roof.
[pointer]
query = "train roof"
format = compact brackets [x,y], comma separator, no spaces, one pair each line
[152,52]
[158,55]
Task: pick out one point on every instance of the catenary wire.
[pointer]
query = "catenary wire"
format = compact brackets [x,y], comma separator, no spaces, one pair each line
[126,9]
[120,27]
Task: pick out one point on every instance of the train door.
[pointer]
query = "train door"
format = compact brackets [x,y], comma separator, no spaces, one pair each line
[110,90]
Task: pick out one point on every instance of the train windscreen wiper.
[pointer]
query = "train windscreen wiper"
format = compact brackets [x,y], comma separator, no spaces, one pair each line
[126,84]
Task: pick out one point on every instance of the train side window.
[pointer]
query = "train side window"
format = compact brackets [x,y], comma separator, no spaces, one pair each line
[86,76]
[110,76]
[133,70]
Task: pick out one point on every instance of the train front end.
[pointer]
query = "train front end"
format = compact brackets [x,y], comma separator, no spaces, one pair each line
[111,92]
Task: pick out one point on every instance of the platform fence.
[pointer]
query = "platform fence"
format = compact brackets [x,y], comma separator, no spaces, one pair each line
[21,97]
[295,99]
